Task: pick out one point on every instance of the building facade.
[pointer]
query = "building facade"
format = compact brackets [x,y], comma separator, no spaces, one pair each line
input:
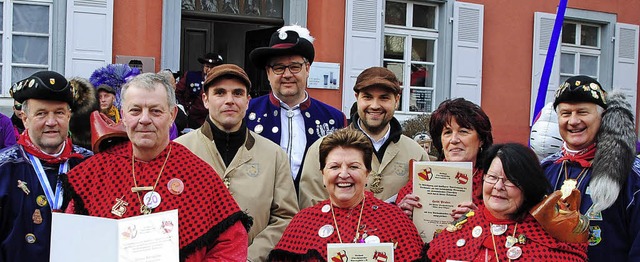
[490,52]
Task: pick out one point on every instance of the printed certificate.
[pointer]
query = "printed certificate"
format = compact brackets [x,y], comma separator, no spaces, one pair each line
[441,186]
[360,252]
[147,238]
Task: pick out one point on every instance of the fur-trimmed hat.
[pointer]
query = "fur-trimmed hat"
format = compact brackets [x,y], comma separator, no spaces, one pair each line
[227,70]
[377,76]
[581,88]
[288,40]
[211,58]
[45,85]
[85,102]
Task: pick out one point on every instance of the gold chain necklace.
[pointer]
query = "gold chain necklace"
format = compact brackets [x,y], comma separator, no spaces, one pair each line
[493,239]
[355,238]
[144,209]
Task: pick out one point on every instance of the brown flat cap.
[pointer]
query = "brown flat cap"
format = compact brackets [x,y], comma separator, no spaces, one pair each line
[227,70]
[377,76]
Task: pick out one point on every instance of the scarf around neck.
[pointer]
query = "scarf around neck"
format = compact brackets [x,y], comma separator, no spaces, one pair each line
[31,148]
[583,158]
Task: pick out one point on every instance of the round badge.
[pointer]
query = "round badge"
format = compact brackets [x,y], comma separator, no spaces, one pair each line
[41,200]
[290,113]
[275,112]
[258,129]
[317,122]
[326,208]
[175,186]
[30,238]
[307,114]
[331,121]
[325,231]
[152,199]
[274,129]
[252,116]
[372,239]
[461,242]
[477,231]
[310,131]
[498,229]
[514,252]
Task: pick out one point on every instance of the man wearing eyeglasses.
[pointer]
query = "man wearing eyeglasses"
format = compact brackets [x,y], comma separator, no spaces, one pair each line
[287,115]
[598,158]
[189,90]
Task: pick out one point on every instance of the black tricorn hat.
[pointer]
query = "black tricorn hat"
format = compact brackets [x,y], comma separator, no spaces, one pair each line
[581,88]
[211,58]
[288,40]
[44,85]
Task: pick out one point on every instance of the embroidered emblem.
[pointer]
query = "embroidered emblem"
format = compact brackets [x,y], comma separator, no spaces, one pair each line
[595,235]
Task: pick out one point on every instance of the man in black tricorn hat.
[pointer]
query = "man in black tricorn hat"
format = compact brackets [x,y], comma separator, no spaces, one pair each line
[287,115]
[598,158]
[30,187]
[189,90]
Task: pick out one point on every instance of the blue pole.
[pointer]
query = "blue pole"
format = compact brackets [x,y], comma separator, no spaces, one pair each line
[548,63]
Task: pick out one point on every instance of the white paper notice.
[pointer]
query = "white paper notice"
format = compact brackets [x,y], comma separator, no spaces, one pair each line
[148,238]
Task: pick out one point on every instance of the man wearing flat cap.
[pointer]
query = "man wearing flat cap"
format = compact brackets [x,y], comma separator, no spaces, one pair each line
[598,158]
[288,116]
[377,92]
[254,169]
[107,98]
[30,171]
[189,90]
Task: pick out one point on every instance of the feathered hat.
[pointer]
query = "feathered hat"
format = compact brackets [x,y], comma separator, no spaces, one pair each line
[115,76]
[288,40]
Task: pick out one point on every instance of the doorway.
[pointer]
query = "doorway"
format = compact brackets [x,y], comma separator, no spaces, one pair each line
[233,39]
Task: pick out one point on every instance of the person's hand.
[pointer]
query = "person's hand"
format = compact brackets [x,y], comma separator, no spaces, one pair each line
[408,203]
[462,209]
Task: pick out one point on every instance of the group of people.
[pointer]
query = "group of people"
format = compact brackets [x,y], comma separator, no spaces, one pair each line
[278,177]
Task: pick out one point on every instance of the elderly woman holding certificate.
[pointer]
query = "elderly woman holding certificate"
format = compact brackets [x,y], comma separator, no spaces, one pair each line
[503,228]
[350,215]
[461,131]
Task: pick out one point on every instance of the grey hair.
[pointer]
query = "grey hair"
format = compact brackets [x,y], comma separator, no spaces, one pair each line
[149,81]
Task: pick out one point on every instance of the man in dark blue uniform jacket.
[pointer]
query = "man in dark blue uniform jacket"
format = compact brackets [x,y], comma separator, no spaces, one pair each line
[598,158]
[30,186]
[287,115]
[189,90]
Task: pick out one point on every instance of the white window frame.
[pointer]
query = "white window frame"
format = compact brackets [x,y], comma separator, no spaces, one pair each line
[579,50]
[7,42]
[409,33]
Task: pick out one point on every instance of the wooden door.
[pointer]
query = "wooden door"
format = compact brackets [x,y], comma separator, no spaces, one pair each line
[253,40]
[196,37]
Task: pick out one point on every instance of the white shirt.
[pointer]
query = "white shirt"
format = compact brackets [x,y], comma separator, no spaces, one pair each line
[293,138]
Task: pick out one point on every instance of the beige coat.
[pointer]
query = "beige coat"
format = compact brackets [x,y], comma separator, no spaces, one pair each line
[260,181]
[394,171]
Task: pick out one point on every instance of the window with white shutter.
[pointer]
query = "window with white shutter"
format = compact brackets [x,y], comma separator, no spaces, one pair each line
[89,38]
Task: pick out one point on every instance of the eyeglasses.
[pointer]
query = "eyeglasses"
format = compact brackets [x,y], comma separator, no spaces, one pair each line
[491,179]
[18,107]
[294,68]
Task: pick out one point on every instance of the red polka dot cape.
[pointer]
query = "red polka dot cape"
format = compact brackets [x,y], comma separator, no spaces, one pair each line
[301,240]
[539,245]
[476,190]
[205,207]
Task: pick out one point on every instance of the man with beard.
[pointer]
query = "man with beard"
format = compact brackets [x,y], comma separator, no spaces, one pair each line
[377,92]
[31,171]
[288,116]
